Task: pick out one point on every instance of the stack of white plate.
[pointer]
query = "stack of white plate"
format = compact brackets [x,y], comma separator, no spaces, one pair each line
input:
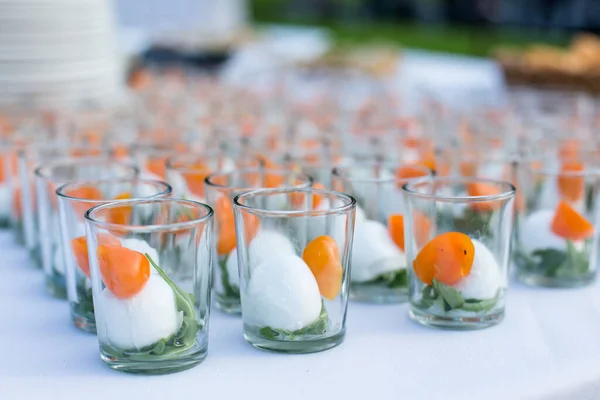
[59,51]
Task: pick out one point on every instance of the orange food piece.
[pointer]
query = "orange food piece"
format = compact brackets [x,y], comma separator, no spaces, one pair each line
[569,224]
[447,258]
[80,250]
[123,271]
[157,166]
[322,256]
[16,201]
[298,198]
[3,172]
[483,189]
[87,193]
[120,151]
[468,168]
[226,241]
[409,172]
[195,180]
[120,215]
[571,188]
[85,152]
[421,229]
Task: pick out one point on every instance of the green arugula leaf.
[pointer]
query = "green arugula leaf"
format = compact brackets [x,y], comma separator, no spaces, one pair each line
[550,260]
[230,289]
[451,296]
[85,302]
[475,305]
[318,327]
[177,343]
[553,263]
[391,280]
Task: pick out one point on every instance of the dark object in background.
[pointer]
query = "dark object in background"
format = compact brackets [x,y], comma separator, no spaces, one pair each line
[163,56]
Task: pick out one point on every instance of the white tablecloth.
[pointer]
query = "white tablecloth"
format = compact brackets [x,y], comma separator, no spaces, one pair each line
[549,344]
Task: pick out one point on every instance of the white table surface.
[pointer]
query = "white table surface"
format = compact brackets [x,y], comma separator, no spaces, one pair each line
[548,344]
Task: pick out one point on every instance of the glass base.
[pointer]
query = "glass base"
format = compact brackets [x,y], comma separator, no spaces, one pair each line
[228,305]
[83,323]
[36,256]
[377,294]
[533,279]
[295,346]
[17,227]
[156,367]
[55,288]
[456,323]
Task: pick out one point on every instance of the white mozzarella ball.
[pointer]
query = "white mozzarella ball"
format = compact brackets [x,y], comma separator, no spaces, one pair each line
[141,246]
[282,294]
[374,252]
[141,320]
[5,200]
[485,278]
[535,233]
[231,266]
[268,243]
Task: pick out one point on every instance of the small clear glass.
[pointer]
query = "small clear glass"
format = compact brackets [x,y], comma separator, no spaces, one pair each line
[294,262]
[29,158]
[556,235]
[8,209]
[151,283]
[379,265]
[47,178]
[221,188]
[458,244]
[74,199]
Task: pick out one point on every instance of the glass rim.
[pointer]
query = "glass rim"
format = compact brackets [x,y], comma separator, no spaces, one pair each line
[336,171]
[291,171]
[74,162]
[171,227]
[168,189]
[189,159]
[351,202]
[506,193]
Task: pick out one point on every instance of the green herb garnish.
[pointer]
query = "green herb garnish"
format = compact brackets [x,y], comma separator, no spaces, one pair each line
[229,289]
[85,303]
[553,263]
[450,299]
[177,343]
[391,280]
[318,327]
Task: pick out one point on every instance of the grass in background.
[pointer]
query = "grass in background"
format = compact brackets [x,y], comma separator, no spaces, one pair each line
[468,40]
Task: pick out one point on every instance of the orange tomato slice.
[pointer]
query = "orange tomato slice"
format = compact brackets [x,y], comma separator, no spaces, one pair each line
[16,201]
[226,240]
[80,250]
[157,166]
[297,199]
[447,258]
[571,188]
[87,193]
[421,229]
[569,224]
[468,168]
[123,271]
[120,151]
[483,189]
[409,172]
[323,258]
[195,180]
[120,215]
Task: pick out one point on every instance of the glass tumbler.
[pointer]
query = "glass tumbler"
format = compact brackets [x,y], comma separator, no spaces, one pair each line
[74,199]
[29,158]
[379,264]
[48,177]
[221,188]
[556,241]
[458,267]
[151,283]
[294,261]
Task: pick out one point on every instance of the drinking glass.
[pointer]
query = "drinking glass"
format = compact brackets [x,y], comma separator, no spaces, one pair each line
[47,178]
[458,243]
[556,238]
[379,264]
[221,188]
[294,261]
[29,158]
[151,274]
[74,199]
